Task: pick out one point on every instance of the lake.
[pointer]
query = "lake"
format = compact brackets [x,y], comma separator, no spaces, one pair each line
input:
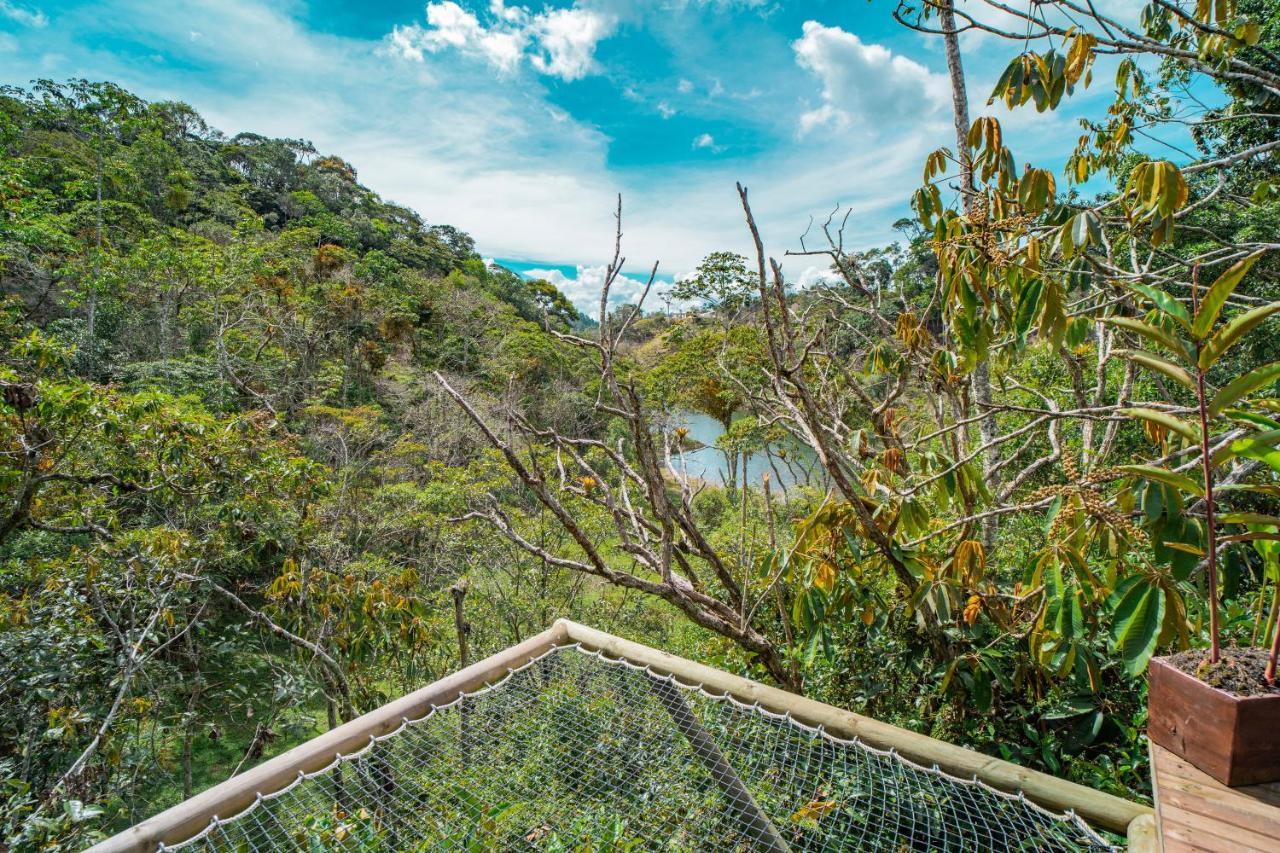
[708,463]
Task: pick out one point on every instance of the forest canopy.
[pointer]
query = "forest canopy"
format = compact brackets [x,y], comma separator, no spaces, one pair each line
[258,423]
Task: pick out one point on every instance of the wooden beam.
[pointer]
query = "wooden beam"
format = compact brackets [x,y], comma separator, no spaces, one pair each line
[1056,794]
[229,798]
[1142,836]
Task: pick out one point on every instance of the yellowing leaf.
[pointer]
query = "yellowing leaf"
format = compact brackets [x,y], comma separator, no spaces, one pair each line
[825,578]
[813,810]
[1166,420]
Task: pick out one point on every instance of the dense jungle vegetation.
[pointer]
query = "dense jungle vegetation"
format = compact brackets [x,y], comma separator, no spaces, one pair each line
[257,422]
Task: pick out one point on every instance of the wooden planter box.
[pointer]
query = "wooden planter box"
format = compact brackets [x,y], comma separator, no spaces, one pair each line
[1234,739]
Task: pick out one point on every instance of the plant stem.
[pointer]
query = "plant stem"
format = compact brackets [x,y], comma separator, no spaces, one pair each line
[1270,674]
[1215,651]
[1206,467]
[1272,624]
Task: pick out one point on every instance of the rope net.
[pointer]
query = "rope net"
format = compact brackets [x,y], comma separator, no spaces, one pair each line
[579,752]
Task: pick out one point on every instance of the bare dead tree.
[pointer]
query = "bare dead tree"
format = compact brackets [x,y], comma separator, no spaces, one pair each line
[665,554]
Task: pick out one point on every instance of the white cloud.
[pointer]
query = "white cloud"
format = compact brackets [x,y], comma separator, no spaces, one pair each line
[864,85]
[450,25]
[666,110]
[542,186]
[813,275]
[708,142]
[684,87]
[556,42]
[567,38]
[22,15]
[583,288]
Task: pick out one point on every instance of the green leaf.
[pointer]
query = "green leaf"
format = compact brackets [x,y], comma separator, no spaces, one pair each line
[1178,481]
[1252,418]
[1164,302]
[1138,618]
[1071,707]
[1252,446]
[1084,229]
[1247,518]
[1151,333]
[1233,331]
[1165,420]
[1216,297]
[1028,307]
[1241,385]
[1158,364]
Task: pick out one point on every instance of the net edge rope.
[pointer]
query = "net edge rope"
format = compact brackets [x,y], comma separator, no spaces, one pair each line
[216,821]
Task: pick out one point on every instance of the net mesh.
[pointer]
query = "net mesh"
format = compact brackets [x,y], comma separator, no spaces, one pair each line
[579,752]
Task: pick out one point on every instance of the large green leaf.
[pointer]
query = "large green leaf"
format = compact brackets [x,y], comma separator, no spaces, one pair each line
[1233,331]
[1160,365]
[1247,384]
[1216,297]
[1170,478]
[1136,628]
[1028,307]
[1164,302]
[1151,333]
[1166,420]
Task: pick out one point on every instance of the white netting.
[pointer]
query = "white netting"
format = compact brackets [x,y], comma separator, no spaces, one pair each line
[579,752]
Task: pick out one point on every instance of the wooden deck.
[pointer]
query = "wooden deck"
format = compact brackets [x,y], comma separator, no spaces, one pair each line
[1194,812]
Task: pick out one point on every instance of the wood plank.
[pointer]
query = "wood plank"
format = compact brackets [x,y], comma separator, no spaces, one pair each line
[1196,812]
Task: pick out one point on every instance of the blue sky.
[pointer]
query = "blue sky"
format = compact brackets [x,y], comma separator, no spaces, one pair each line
[520,123]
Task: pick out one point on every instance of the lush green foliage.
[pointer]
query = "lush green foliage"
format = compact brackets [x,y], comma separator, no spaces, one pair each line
[257,420]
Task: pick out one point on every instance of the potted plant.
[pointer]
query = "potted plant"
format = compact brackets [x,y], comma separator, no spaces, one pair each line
[1219,708]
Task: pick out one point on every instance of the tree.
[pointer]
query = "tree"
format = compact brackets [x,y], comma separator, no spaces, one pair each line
[721,282]
[661,550]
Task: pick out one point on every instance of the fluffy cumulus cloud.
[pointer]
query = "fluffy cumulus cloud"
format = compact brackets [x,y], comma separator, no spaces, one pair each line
[864,85]
[556,42]
[583,288]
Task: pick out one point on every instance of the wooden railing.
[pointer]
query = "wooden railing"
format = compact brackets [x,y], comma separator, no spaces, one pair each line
[227,799]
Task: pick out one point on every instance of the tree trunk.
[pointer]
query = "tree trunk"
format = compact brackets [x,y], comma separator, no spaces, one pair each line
[981,373]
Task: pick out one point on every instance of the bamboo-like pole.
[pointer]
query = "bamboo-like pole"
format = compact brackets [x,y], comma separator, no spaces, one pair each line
[1142,836]
[1100,809]
[239,792]
[756,823]
[463,627]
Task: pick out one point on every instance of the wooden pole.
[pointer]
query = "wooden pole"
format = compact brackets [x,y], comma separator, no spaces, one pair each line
[755,823]
[1142,836]
[1100,809]
[459,593]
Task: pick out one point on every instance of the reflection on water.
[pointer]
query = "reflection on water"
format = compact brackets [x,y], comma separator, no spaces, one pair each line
[708,463]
